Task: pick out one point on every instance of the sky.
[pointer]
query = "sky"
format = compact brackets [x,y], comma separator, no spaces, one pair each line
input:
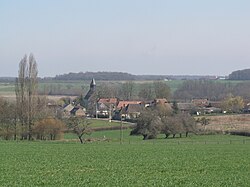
[156,37]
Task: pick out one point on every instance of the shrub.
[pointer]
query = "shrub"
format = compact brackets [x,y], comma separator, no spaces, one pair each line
[49,129]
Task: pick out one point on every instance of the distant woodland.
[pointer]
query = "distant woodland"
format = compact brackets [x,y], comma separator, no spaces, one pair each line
[115,76]
[121,76]
[188,88]
[240,75]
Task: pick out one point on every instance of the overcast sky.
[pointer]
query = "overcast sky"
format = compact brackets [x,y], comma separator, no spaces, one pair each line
[194,37]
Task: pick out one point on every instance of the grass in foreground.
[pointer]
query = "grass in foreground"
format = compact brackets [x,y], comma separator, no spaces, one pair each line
[138,164]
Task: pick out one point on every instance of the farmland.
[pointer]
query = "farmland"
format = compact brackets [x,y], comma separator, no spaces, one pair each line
[59,87]
[222,161]
[113,158]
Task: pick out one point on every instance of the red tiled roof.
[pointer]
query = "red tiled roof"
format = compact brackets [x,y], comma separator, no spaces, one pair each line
[132,108]
[108,100]
[122,104]
[200,102]
[161,101]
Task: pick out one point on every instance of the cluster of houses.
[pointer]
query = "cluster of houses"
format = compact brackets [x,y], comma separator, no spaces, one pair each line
[113,108]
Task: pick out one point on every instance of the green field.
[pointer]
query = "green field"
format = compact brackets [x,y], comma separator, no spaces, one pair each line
[194,161]
[83,86]
[102,123]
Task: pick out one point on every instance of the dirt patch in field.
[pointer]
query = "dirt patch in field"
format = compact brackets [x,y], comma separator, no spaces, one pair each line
[12,97]
[58,97]
[229,123]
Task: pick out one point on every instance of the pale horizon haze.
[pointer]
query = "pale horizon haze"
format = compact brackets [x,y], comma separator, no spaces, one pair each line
[156,37]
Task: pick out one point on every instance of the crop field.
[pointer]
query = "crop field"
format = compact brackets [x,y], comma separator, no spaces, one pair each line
[82,86]
[173,162]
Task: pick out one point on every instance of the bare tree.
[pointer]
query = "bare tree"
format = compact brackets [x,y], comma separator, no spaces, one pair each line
[32,92]
[188,123]
[21,96]
[107,90]
[162,90]
[26,94]
[127,90]
[79,126]
[148,125]
[146,92]
[8,122]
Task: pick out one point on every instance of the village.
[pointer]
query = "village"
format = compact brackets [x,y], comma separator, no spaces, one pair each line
[132,93]
[129,110]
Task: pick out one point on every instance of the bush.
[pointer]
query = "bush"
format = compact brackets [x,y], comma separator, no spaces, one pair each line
[49,129]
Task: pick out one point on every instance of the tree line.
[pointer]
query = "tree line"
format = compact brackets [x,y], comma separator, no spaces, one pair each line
[212,90]
[188,90]
[122,76]
[28,117]
[131,90]
[240,75]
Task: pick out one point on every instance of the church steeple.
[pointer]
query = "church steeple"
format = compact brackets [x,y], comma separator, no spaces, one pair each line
[92,84]
[91,90]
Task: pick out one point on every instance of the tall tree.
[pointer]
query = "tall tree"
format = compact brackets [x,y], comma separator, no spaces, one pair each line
[26,94]
[146,92]
[203,89]
[127,90]
[107,90]
[162,90]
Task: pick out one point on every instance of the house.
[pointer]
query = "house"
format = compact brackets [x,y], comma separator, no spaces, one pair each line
[78,111]
[131,111]
[123,109]
[123,104]
[186,107]
[216,104]
[162,101]
[67,109]
[70,110]
[210,110]
[201,102]
[106,106]
[108,101]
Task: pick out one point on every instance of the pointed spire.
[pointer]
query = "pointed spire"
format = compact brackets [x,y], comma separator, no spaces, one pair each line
[92,85]
[93,82]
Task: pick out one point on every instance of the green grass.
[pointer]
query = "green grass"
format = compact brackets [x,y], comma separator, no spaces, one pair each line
[7,88]
[142,163]
[111,135]
[103,123]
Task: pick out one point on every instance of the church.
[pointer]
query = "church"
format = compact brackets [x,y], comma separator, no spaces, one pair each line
[90,98]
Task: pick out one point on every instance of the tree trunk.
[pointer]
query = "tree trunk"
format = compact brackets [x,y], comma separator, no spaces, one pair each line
[186,134]
[29,136]
[180,135]
[173,135]
[15,133]
[145,137]
[80,138]
[167,135]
